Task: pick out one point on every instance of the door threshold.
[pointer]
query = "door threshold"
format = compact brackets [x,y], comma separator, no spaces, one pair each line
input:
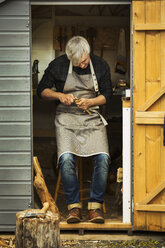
[110,224]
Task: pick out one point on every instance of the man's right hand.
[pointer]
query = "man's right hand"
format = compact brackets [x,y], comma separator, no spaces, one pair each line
[66,99]
[49,94]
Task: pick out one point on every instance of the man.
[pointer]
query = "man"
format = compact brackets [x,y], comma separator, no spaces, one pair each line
[80,128]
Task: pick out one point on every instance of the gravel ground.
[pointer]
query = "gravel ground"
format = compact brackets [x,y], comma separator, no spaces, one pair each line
[8,241]
[113,244]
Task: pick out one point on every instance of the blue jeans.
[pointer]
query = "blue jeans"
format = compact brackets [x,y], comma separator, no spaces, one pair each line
[70,181]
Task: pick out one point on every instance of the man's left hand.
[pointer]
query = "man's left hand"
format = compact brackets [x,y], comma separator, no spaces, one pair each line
[84,103]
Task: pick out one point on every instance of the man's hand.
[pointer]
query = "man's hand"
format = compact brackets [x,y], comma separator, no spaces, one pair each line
[66,99]
[84,103]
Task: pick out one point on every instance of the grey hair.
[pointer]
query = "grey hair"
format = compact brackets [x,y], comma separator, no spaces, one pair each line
[76,47]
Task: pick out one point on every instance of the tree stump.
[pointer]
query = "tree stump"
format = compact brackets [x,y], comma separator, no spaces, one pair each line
[37,232]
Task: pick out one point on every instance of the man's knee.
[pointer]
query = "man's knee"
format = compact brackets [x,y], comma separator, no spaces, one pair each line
[67,161]
[103,161]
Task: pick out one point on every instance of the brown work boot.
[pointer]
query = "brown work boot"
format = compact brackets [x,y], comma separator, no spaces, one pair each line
[96,216]
[74,215]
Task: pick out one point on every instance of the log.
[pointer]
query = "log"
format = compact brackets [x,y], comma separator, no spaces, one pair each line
[38,232]
[41,188]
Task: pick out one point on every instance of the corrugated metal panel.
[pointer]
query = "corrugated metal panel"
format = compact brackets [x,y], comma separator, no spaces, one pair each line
[8,218]
[14,173]
[14,84]
[15,144]
[14,69]
[14,54]
[16,203]
[14,23]
[14,129]
[14,99]
[7,228]
[15,189]
[16,8]
[15,112]
[15,159]
[14,39]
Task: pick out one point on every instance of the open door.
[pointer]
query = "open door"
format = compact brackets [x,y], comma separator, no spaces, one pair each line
[149,112]
[52,25]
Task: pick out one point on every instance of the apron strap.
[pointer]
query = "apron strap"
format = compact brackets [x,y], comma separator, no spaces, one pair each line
[102,118]
[70,67]
[94,77]
[96,87]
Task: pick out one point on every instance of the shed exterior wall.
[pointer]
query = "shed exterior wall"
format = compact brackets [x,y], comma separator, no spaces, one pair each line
[15,112]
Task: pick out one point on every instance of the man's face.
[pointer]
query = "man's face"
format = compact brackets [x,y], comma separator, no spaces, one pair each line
[84,61]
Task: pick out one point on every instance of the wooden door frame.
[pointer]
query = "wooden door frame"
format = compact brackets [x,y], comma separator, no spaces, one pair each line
[109,224]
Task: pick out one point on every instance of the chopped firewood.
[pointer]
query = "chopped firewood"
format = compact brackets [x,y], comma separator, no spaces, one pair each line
[3,243]
[7,243]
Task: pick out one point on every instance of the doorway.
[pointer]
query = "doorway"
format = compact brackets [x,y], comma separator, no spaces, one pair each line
[52,26]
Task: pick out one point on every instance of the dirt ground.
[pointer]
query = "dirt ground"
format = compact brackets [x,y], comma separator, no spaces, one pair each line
[95,240]
[114,239]
[113,244]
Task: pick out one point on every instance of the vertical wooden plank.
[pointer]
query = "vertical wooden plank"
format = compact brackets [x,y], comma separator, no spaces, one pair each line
[162,151]
[138,100]
[153,132]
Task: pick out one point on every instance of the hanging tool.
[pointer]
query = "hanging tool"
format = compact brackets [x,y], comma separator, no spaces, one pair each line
[121,63]
[35,66]
[91,33]
[35,72]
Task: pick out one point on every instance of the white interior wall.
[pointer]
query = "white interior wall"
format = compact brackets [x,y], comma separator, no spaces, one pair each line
[42,43]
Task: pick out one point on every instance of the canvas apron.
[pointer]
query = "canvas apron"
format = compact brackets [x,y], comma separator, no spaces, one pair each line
[78,132]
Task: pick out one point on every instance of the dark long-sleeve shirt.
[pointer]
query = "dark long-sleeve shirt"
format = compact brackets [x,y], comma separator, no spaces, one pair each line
[56,73]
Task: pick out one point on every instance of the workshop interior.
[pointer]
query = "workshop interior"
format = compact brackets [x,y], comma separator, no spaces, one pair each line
[107,28]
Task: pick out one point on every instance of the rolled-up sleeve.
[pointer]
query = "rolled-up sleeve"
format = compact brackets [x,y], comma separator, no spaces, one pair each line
[105,83]
[47,81]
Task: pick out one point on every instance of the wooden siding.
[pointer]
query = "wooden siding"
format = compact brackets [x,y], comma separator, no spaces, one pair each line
[22,159]
[16,203]
[15,129]
[15,54]
[15,112]
[148,82]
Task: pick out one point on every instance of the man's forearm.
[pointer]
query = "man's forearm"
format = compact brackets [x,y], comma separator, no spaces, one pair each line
[49,94]
[99,100]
